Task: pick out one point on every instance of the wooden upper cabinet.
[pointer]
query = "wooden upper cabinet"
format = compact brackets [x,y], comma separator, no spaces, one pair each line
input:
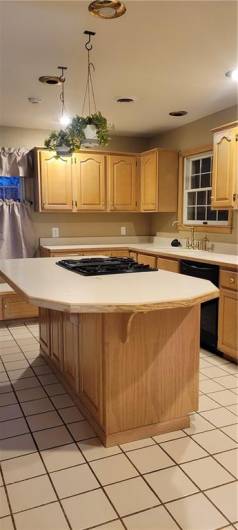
[149,182]
[89,176]
[55,176]
[122,172]
[159,181]
[225,168]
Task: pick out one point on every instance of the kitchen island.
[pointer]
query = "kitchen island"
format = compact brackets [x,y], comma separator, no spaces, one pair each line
[125,346]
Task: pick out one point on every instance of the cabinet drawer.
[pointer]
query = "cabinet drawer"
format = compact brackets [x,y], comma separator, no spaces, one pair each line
[229,279]
[133,255]
[146,259]
[15,307]
[171,265]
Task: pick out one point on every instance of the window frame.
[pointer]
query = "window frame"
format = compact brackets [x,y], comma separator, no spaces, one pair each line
[213,226]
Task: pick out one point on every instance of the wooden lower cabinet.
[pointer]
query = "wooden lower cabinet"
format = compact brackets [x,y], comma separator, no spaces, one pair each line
[227,327]
[111,365]
[44,325]
[171,265]
[56,338]
[147,259]
[71,350]
[14,306]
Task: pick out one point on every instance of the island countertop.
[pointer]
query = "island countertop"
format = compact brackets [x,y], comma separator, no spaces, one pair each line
[45,284]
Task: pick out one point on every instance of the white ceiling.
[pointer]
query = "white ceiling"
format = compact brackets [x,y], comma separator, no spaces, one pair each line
[170,55]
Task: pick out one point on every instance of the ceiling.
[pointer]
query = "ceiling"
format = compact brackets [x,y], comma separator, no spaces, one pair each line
[170,55]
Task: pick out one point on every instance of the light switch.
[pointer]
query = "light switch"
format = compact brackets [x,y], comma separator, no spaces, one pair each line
[123,230]
[55,231]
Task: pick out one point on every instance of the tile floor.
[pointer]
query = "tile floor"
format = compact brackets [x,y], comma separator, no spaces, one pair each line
[55,474]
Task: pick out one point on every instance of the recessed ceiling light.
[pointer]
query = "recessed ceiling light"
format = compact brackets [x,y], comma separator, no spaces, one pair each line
[126,99]
[233,74]
[178,113]
[34,100]
[107,9]
[50,79]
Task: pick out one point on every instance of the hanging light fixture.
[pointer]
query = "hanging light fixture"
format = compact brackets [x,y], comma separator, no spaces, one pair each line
[88,130]
[89,101]
[64,117]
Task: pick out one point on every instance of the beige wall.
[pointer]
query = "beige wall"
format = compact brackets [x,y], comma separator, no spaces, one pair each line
[194,134]
[18,137]
[82,224]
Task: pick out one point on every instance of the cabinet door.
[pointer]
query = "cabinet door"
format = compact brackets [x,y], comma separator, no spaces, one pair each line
[146,259]
[227,327]
[224,184]
[16,307]
[149,182]
[71,349]
[171,265]
[122,183]
[89,172]
[44,323]
[91,363]
[56,338]
[55,176]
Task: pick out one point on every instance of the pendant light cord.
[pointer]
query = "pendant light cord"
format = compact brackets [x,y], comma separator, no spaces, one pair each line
[89,89]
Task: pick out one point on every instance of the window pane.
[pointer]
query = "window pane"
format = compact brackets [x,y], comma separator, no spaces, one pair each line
[195,167]
[206,165]
[209,199]
[201,213]
[201,197]
[222,215]
[191,213]
[211,214]
[195,181]
[191,198]
[206,180]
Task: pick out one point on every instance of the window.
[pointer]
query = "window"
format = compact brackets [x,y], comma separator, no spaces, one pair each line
[197,193]
[12,188]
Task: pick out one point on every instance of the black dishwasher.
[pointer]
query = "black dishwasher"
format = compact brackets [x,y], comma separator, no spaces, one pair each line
[209,310]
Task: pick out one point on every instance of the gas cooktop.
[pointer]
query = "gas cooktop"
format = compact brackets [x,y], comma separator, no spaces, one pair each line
[101,266]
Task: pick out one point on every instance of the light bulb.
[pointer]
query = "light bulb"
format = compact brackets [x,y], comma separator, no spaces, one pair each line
[65,120]
[233,74]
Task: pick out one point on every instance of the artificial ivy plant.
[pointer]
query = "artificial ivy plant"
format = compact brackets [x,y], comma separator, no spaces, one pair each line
[72,136]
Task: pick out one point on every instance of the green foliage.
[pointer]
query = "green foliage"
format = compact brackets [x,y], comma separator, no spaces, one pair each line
[72,136]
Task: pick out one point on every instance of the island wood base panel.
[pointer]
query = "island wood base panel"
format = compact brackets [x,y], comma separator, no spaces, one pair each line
[132,375]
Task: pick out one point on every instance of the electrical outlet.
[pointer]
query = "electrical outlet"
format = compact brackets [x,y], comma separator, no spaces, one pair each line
[55,231]
[123,230]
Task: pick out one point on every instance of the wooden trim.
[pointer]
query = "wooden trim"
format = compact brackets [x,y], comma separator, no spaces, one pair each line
[215,229]
[197,150]
[225,126]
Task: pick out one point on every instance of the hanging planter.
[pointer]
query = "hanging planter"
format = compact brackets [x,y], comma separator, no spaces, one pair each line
[86,131]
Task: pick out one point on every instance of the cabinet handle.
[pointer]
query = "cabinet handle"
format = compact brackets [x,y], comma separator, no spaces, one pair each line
[235,195]
[232,280]
[76,204]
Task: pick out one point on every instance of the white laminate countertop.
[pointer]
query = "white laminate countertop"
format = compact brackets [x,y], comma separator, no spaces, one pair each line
[45,284]
[231,260]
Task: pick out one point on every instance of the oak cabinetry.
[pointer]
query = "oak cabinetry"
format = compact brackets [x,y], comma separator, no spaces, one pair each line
[159,181]
[56,338]
[147,259]
[89,178]
[55,183]
[44,324]
[149,181]
[93,181]
[71,349]
[228,314]
[122,174]
[225,167]
[13,306]
[167,264]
